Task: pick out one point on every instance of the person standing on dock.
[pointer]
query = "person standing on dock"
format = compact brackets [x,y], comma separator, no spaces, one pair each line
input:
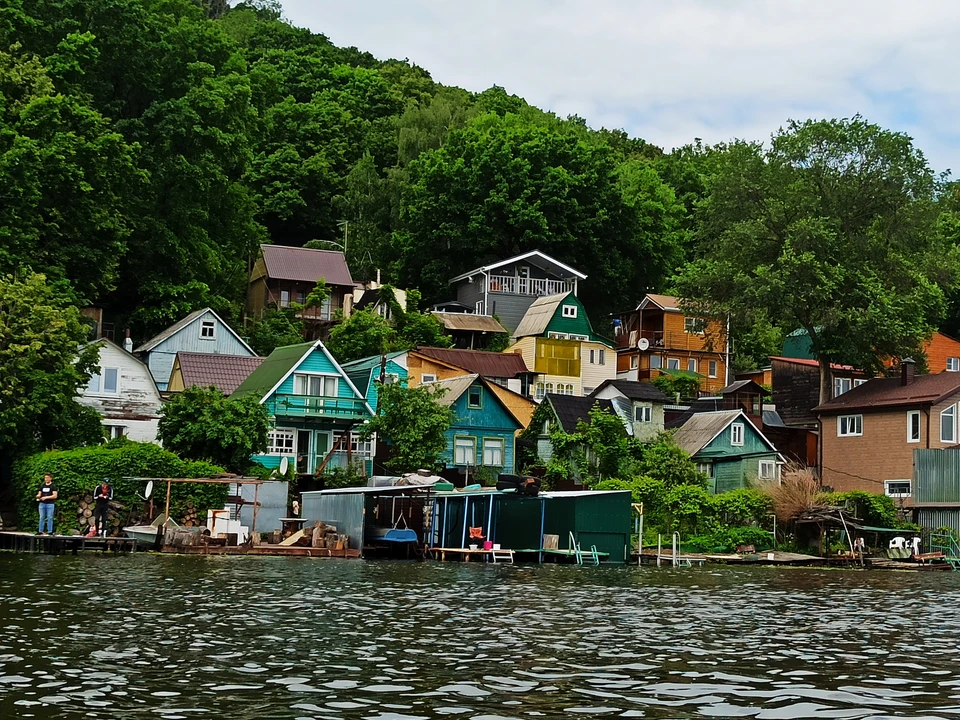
[47,495]
[102,495]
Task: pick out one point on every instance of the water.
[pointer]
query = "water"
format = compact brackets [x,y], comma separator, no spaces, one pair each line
[168,637]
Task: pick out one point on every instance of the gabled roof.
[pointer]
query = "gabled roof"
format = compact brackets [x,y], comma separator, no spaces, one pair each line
[280,364]
[880,393]
[469,322]
[481,362]
[225,372]
[455,387]
[701,429]
[750,386]
[571,409]
[181,324]
[370,362]
[668,303]
[813,363]
[538,316]
[298,264]
[534,257]
[146,369]
[634,390]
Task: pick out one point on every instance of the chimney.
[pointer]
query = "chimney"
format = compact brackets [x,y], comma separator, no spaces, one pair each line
[378,277]
[908,369]
[127,342]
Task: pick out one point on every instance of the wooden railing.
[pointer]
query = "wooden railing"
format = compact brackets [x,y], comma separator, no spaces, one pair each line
[319,407]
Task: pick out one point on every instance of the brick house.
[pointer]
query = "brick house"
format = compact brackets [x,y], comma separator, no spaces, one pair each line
[868,435]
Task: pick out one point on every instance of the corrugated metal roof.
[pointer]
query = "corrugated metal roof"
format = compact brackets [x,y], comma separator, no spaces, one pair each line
[741,385]
[455,387]
[812,363]
[181,324]
[700,429]
[889,392]
[369,362]
[272,370]
[298,264]
[225,372]
[469,322]
[487,364]
[539,315]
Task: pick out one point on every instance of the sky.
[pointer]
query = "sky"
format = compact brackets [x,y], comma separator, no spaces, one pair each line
[670,71]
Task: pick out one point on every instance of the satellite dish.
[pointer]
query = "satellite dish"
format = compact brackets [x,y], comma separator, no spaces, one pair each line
[148,491]
[643,344]
[284,465]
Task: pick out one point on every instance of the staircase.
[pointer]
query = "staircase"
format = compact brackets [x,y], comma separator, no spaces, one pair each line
[948,546]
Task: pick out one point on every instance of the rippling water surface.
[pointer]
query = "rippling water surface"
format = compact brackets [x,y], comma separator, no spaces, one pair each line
[169,637]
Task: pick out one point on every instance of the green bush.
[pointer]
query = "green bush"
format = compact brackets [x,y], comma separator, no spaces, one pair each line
[876,510]
[729,539]
[741,507]
[77,472]
[344,477]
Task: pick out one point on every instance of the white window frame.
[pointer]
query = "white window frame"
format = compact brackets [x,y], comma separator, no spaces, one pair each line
[301,377]
[569,311]
[548,388]
[911,416]
[495,445]
[97,386]
[888,483]
[857,382]
[771,474]
[656,362]
[539,391]
[208,325]
[694,325]
[838,383]
[284,298]
[479,307]
[712,368]
[582,338]
[115,431]
[953,364]
[950,412]
[553,335]
[427,378]
[673,363]
[634,362]
[357,446]
[288,446]
[706,469]
[849,425]
[458,447]
[737,432]
[643,414]
[691,364]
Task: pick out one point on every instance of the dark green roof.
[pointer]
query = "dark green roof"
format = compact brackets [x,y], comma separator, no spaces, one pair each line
[272,370]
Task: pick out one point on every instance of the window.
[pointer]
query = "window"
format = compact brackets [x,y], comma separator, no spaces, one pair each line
[284,298]
[849,425]
[539,391]
[692,364]
[464,451]
[953,364]
[913,426]
[280,442]
[656,362]
[643,414]
[208,330]
[300,298]
[634,362]
[736,434]
[858,382]
[840,386]
[479,307]
[948,425]
[694,325]
[315,385]
[673,363]
[493,452]
[557,335]
[712,368]
[569,389]
[115,431]
[569,311]
[106,383]
[597,357]
[357,446]
[574,336]
[706,469]
[767,470]
[897,488]
[427,378]
[475,398]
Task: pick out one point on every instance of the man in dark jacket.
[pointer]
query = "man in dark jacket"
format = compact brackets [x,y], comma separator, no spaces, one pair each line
[47,496]
[102,495]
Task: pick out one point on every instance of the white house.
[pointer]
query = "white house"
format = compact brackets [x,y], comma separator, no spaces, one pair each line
[124,394]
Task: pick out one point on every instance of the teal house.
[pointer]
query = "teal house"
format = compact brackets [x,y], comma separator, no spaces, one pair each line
[315,410]
[366,372]
[729,449]
[483,431]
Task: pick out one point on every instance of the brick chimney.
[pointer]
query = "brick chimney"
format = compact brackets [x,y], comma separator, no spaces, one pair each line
[908,369]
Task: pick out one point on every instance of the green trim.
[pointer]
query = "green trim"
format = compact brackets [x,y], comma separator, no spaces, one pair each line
[470,390]
[472,439]
[503,451]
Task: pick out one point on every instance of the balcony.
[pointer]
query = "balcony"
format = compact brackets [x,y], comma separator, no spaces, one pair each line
[670,340]
[513,285]
[310,406]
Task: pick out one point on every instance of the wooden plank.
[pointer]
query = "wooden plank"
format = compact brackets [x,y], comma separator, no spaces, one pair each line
[292,540]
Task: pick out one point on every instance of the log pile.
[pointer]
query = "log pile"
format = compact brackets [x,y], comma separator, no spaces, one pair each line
[86,518]
[319,535]
[192,518]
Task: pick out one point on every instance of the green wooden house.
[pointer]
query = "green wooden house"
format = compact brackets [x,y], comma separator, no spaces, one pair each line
[366,372]
[729,449]
[315,409]
[483,431]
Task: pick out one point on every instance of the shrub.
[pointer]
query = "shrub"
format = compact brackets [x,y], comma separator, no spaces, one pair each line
[794,494]
[344,477]
[741,507]
[876,510]
[77,472]
[729,539]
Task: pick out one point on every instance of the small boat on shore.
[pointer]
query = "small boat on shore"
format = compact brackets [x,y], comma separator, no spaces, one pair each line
[147,534]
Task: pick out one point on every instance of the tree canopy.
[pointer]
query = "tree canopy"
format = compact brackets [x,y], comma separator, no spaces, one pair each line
[413,423]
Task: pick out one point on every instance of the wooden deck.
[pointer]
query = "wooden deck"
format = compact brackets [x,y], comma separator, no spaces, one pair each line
[275,550]
[24,542]
[466,553]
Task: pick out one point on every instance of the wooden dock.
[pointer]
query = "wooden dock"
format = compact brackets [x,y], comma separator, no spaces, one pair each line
[275,550]
[23,542]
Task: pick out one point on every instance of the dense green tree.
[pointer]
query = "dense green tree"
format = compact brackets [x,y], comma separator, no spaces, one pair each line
[830,229]
[202,424]
[363,334]
[413,423]
[275,328]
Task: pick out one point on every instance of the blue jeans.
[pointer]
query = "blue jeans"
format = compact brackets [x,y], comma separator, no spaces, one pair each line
[46,513]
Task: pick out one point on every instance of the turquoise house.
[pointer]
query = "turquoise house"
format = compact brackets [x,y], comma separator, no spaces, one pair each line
[315,410]
[483,431]
[729,449]
[365,373]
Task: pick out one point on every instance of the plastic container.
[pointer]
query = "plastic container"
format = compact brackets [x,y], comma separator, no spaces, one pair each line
[473,547]
[487,545]
[496,546]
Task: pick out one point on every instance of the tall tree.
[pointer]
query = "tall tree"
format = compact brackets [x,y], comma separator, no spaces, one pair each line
[413,423]
[831,229]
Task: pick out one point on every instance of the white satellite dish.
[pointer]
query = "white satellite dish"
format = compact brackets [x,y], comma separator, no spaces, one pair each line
[284,465]
[643,344]
[148,491]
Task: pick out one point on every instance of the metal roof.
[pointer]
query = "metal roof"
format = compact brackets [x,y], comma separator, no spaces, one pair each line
[455,387]
[469,322]
[635,390]
[700,430]
[534,257]
[664,302]
[181,324]
[298,264]
[225,372]
[487,364]
[538,316]
[880,393]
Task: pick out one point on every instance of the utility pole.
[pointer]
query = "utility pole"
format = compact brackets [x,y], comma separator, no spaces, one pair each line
[346,225]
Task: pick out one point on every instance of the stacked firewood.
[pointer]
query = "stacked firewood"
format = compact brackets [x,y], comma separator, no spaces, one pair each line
[319,535]
[192,518]
[86,518]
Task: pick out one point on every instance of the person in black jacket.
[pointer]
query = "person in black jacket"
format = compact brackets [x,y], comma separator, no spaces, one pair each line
[102,496]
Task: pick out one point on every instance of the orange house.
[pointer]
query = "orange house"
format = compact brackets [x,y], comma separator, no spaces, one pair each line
[658,336]
[943,354]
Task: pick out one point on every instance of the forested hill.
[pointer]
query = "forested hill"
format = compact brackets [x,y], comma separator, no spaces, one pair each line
[148,146]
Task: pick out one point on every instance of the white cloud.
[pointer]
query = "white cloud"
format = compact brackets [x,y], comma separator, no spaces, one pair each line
[672,71]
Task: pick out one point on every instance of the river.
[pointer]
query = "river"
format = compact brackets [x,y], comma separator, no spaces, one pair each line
[170,637]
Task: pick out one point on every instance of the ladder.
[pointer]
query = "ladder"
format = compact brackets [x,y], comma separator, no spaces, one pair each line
[948,546]
[501,556]
[575,546]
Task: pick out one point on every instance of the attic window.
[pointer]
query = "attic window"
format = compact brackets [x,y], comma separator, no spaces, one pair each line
[953,364]
[208,330]
[736,434]
[475,398]
[569,311]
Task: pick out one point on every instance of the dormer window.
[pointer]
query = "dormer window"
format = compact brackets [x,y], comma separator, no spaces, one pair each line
[569,311]
[208,330]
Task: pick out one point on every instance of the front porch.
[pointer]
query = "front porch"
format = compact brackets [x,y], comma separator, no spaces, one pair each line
[313,448]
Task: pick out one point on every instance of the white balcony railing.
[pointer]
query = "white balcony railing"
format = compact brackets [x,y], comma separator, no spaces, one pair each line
[513,285]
